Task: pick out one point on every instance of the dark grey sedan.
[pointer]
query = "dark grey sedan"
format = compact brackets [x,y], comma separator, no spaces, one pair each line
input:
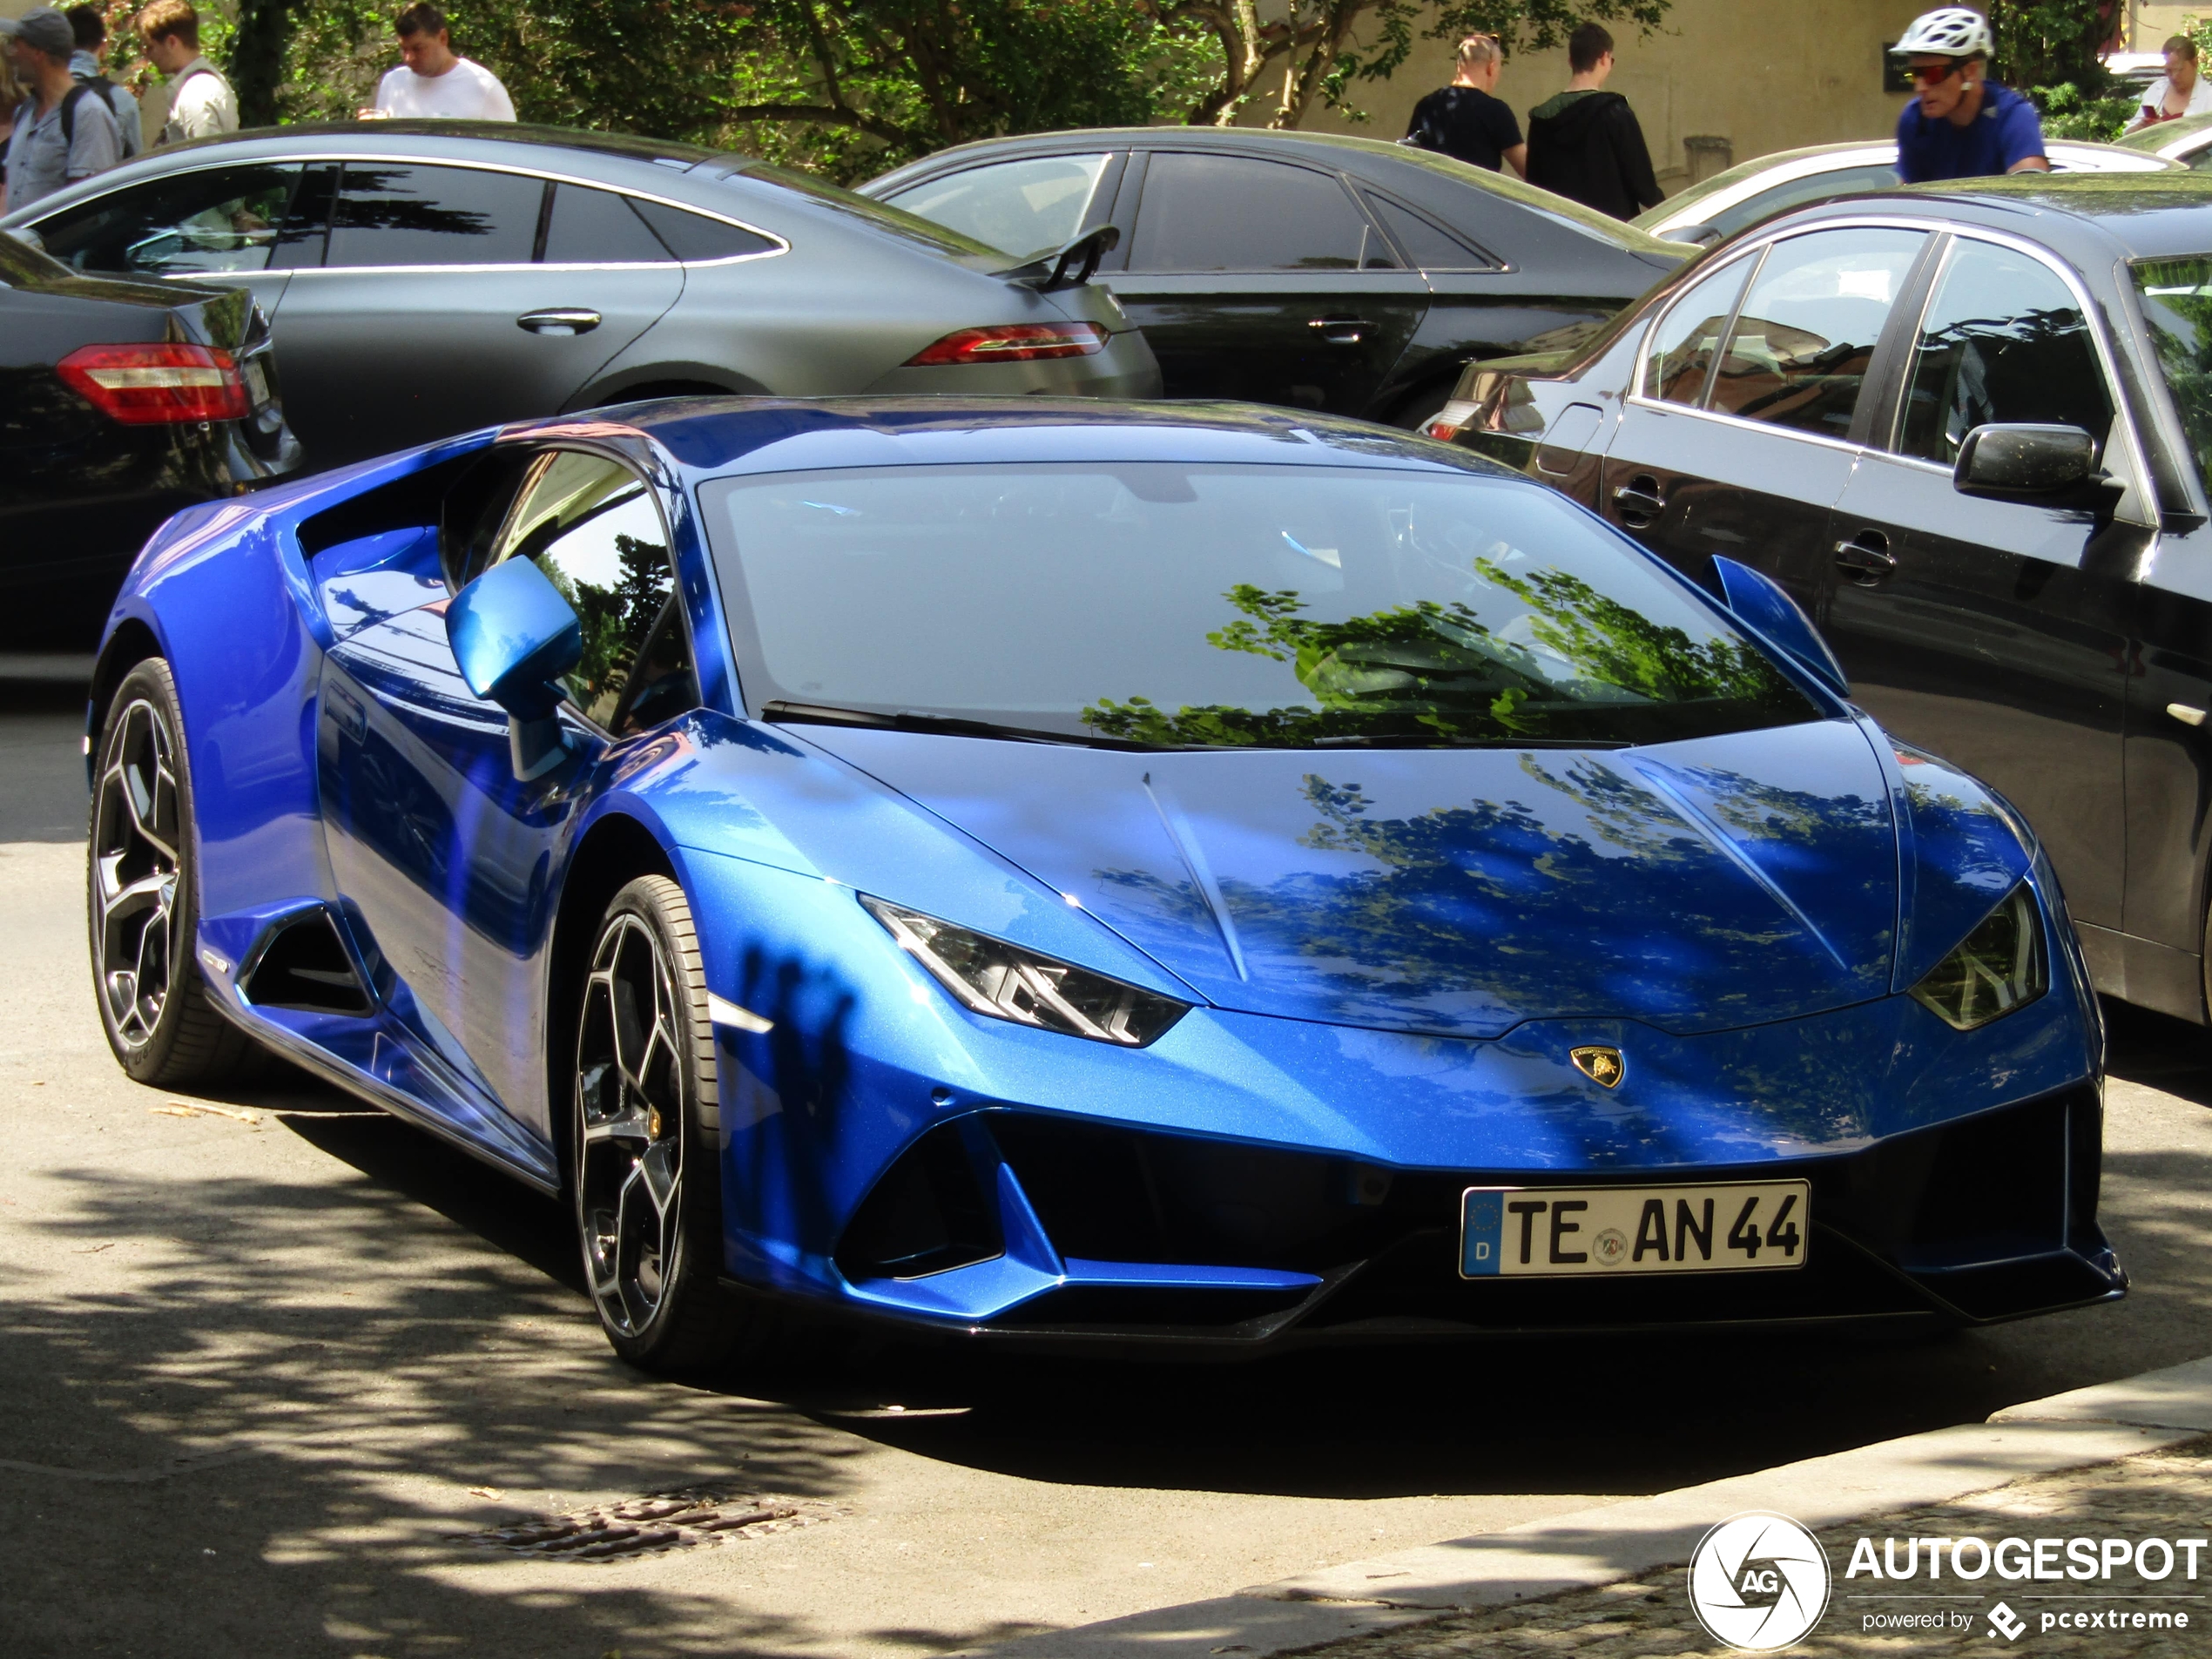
[426,278]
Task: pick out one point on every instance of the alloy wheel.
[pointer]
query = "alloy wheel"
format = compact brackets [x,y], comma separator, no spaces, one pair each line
[629,1088]
[137,838]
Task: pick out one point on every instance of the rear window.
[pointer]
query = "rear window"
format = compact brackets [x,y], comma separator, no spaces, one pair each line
[878,215]
[1174,605]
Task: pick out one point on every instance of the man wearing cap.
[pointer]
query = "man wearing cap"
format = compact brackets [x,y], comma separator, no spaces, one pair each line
[65,130]
[1960,124]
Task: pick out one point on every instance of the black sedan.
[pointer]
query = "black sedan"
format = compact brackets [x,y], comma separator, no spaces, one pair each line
[1294,268]
[425,278]
[1970,428]
[120,402]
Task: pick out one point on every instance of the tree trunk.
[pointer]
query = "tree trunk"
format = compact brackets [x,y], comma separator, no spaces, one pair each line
[257,65]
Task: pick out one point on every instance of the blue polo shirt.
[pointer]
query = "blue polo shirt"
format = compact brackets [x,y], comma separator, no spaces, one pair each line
[2005,131]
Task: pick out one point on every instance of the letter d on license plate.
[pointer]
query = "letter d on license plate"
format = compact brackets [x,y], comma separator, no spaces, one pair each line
[1561,1232]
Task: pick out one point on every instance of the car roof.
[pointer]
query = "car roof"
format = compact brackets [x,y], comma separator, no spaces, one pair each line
[1724,190]
[1372,159]
[2164,136]
[713,437]
[2151,215]
[468,134]
[682,172]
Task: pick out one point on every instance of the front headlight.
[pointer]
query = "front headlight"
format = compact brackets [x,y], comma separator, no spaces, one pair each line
[1006,983]
[1998,968]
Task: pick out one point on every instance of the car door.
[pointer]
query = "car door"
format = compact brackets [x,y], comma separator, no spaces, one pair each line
[1744,453]
[1994,633]
[432,312]
[241,226]
[1026,205]
[1264,281]
[442,855]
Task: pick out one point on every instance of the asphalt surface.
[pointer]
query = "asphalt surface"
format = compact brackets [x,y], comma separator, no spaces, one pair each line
[261,1380]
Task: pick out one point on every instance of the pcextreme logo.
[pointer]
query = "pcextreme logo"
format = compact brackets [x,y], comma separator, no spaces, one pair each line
[1758,1581]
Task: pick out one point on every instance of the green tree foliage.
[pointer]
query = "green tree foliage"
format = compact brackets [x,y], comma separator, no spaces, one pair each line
[850,87]
[1312,52]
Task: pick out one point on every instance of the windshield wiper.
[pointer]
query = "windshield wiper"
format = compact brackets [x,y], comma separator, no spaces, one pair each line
[783,713]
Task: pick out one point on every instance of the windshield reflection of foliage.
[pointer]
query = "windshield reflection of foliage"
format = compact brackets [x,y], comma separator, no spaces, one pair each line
[1590,668]
[1616,907]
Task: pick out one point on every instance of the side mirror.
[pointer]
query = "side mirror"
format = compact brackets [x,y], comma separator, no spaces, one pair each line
[1761,605]
[2027,463]
[513,635]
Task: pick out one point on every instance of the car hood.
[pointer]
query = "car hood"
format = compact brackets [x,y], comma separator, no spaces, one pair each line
[1696,886]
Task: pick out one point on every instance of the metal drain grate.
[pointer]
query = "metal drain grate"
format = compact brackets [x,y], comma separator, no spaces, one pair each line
[682,1519]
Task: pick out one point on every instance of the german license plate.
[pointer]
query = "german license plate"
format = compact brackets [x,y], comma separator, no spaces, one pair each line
[257,382]
[1570,1232]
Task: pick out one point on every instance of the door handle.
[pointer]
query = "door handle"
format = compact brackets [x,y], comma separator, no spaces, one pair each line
[1341,331]
[1639,501]
[1865,559]
[558,321]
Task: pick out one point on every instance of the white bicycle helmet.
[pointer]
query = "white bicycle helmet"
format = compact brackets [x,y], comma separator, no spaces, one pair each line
[1953,31]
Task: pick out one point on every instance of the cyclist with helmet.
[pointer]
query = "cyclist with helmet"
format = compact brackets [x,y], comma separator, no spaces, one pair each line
[1960,124]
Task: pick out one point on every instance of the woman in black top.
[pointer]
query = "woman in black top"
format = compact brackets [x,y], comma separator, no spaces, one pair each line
[1464,121]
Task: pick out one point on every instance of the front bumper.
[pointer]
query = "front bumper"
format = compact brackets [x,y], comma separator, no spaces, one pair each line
[1024,1226]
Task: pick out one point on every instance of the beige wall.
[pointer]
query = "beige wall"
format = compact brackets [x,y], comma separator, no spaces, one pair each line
[2150,25]
[1765,75]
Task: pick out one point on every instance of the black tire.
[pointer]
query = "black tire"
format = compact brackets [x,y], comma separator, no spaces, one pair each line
[644,1174]
[142,896]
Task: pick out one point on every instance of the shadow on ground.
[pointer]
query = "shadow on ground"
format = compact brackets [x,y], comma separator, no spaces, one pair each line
[359,1369]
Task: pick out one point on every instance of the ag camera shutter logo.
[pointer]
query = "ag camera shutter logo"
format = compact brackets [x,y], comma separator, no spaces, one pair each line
[1758,1581]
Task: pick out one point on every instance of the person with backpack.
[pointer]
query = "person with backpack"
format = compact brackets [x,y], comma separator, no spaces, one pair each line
[1584,144]
[89,31]
[201,103]
[64,129]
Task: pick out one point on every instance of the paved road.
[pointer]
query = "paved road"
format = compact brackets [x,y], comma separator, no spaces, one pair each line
[257,1376]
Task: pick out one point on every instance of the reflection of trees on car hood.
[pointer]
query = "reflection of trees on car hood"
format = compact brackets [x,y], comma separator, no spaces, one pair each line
[1644,899]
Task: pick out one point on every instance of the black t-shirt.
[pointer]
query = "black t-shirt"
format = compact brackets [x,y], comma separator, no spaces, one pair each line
[1467,124]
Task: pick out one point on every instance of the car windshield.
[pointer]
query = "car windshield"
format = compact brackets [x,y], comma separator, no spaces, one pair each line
[1179,605]
[2177,304]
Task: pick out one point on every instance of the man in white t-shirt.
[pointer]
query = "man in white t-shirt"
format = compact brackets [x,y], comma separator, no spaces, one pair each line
[433,82]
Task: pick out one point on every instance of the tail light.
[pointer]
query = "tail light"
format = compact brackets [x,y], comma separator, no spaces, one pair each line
[157,384]
[1016,342]
[1448,421]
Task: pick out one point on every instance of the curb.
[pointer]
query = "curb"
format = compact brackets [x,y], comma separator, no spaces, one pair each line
[1581,1551]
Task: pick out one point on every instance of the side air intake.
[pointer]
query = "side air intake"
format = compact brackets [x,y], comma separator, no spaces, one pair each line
[305,966]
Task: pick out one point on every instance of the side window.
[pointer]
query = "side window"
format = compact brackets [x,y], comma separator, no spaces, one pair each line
[1017,207]
[1237,214]
[1797,353]
[1680,356]
[1422,243]
[389,213]
[217,218]
[692,237]
[1813,187]
[592,526]
[2003,340]
[599,227]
